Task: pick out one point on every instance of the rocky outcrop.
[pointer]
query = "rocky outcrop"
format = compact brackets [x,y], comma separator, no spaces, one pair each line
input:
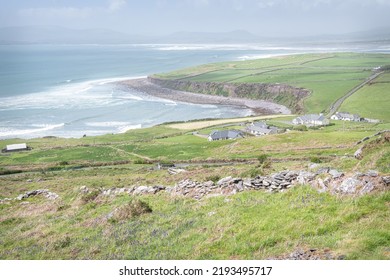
[289,96]
[44,192]
[324,180]
[358,184]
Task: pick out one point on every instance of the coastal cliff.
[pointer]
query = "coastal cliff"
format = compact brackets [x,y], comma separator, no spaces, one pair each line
[289,96]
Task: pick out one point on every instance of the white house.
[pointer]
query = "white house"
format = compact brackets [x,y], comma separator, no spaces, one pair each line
[311,119]
[345,116]
[224,135]
[261,128]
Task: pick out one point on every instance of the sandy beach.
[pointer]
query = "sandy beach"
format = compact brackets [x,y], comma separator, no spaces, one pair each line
[259,107]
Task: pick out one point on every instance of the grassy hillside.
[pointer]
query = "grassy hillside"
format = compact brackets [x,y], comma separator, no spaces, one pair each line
[372,100]
[328,76]
[251,225]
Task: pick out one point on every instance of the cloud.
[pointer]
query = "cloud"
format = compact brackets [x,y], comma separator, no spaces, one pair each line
[115,5]
[61,12]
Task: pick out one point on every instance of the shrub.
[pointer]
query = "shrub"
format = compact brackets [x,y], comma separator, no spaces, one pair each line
[133,209]
[300,128]
[262,158]
[214,178]
[315,160]
[90,196]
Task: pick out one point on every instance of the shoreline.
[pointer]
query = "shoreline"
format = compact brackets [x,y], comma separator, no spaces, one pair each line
[258,107]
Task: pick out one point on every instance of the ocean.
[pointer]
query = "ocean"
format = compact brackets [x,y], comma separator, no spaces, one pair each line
[70,90]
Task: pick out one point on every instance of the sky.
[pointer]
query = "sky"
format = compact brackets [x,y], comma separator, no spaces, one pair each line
[162,17]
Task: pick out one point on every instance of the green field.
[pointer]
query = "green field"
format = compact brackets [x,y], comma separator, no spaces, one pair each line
[327,76]
[372,101]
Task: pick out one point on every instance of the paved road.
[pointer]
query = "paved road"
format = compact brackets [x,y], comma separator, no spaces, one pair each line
[336,105]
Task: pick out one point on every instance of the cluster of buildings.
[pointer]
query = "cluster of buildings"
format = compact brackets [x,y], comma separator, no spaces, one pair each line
[261,128]
[320,119]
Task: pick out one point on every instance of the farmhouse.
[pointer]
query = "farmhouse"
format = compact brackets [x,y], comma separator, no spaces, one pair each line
[261,128]
[344,116]
[224,135]
[311,119]
[15,148]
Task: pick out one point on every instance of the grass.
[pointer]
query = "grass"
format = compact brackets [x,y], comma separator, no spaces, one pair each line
[369,101]
[250,225]
[327,76]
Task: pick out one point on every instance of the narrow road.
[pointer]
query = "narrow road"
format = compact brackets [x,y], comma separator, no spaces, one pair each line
[336,105]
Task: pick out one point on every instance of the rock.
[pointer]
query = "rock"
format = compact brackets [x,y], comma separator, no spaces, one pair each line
[224,180]
[358,154]
[84,189]
[313,166]
[174,171]
[321,185]
[51,195]
[247,183]
[348,186]
[29,181]
[141,190]
[239,186]
[372,173]
[336,174]
[323,170]
[305,177]
[358,175]
[46,193]
[386,180]
[368,187]
[208,184]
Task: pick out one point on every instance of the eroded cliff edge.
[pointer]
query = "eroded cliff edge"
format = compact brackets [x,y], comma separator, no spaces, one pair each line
[289,96]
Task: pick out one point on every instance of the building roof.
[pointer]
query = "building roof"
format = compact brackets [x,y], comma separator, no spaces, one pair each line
[14,147]
[225,134]
[260,129]
[259,124]
[346,115]
[310,118]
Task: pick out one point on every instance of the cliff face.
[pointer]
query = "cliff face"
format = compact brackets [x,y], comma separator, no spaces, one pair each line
[286,95]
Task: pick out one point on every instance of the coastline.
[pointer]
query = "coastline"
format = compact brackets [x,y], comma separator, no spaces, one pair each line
[259,107]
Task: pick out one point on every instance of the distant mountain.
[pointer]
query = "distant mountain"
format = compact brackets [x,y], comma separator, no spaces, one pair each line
[237,36]
[62,35]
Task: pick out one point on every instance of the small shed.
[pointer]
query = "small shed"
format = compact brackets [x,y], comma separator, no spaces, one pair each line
[16,148]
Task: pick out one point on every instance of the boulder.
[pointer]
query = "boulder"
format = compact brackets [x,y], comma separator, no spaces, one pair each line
[386,180]
[348,186]
[368,187]
[358,154]
[224,180]
[336,174]
[372,173]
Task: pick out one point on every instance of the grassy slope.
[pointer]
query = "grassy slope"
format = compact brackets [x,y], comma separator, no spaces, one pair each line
[372,101]
[328,76]
[252,225]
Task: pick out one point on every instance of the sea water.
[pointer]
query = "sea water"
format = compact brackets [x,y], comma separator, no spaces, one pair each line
[70,90]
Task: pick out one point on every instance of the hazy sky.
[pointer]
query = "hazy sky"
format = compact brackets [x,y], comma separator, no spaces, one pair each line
[157,17]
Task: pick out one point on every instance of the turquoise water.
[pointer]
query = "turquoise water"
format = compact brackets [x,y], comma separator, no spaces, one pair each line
[68,90]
